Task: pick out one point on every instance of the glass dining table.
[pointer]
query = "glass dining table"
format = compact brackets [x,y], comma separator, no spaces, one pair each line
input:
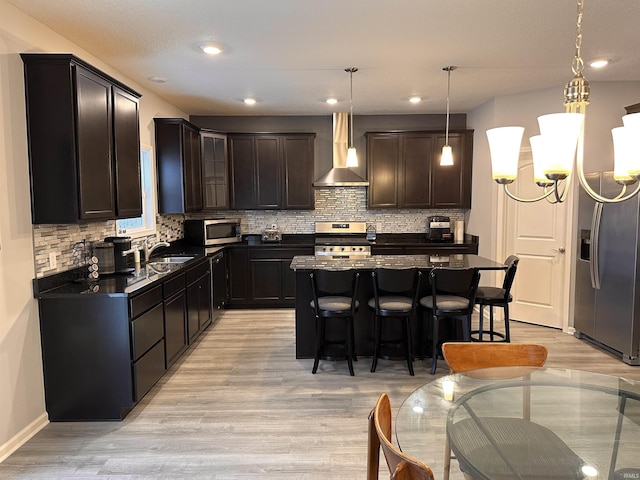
[525,423]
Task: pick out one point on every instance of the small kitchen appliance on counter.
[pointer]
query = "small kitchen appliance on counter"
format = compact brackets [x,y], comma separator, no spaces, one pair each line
[121,250]
[103,251]
[439,229]
[272,235]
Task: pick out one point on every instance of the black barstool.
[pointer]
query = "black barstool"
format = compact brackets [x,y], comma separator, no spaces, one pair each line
[453,293]
[334,296]
[496,297]
[395,297]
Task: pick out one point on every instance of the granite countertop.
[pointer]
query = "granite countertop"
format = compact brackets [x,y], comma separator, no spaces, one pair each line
[383,239]
[75,282]
[310,262]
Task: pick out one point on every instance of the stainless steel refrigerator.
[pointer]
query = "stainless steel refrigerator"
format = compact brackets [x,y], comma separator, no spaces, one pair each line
[607,301]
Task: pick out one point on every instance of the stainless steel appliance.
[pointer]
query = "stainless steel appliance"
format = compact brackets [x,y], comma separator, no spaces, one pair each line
[607,299]
[336,240]
[103,251]
[271,235]
[211,232]
[439,229]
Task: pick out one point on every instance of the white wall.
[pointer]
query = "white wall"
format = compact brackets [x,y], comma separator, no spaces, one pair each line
[22,408]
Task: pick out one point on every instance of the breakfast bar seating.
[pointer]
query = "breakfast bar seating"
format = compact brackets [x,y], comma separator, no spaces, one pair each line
[364,335]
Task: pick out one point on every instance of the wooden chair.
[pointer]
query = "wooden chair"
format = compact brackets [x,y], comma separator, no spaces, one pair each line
[468,356]
[401,466]
[463,356]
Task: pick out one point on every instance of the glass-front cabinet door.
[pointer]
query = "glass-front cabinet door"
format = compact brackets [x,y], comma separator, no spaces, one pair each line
[215,179]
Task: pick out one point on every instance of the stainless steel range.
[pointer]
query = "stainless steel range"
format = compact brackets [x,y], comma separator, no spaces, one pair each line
[336,240]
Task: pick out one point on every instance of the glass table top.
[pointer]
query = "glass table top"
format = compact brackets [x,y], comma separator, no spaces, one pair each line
[518,422]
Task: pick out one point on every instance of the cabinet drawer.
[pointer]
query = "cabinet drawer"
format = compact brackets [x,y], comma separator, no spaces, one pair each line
[148,370]
[146,330]
[143,302]
[195,273]
[174,285]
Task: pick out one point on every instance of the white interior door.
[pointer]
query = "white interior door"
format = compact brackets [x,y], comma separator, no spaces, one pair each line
[536,233]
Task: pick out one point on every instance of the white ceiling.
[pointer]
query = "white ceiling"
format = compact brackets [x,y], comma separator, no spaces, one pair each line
[291,54]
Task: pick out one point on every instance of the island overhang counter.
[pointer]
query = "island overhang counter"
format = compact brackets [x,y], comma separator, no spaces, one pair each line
[363,321]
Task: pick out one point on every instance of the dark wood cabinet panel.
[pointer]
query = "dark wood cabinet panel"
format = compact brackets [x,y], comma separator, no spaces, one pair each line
[261,277]
[268,189]
[198,304]
[179,168]
[238,259]
[383,152]
[271,171]
[94,143]
[452,184]
[215,177]
[175,327]
[297,160]
[405,172]
[266,279]
[417,165]
[243,171]
[126,135]
[84,147]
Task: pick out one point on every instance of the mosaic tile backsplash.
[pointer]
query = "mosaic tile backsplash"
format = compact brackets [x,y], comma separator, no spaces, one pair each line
[342,204]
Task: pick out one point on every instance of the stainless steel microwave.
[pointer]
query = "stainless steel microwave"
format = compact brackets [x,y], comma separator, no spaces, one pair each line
[212,232]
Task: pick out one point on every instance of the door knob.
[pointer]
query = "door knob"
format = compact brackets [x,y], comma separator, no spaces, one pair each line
[559,250]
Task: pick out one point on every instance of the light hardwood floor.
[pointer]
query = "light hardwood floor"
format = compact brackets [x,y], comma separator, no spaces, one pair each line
[239,406]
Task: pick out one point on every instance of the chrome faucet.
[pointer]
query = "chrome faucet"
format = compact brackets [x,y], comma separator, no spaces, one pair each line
[148,250]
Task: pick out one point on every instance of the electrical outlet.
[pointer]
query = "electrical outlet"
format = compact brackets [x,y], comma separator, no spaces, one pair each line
[53,261]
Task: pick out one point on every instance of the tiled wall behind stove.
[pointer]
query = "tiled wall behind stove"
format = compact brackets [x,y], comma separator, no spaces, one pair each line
[343,204]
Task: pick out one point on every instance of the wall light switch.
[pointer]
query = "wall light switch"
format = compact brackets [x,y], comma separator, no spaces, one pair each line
[53,262]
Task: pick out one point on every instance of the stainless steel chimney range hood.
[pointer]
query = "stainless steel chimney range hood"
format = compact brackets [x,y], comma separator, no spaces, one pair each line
[340,175]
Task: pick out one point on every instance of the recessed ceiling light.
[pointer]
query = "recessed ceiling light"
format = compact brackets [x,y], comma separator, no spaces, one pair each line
[331,101]
[599,63]
[158,79]
[250,101]
[211,49]
[415,99]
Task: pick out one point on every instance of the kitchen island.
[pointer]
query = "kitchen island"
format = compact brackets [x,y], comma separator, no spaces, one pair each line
[363,321]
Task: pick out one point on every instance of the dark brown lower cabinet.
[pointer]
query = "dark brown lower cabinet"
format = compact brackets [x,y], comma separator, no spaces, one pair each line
[103,352]
[175,318]
[198,299]
[261,277]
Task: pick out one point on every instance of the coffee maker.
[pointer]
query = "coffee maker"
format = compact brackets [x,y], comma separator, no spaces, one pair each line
[121,250]
[439,229]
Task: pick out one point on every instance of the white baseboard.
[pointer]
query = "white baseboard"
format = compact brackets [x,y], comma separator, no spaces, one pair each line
[23,436]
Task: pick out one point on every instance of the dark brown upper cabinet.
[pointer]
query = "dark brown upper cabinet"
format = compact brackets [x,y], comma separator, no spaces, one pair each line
[404,170]
[215,168]
[84,141]
[179,166]
[271,171]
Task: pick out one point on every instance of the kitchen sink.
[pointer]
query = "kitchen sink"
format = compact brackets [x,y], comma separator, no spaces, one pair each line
[176,259]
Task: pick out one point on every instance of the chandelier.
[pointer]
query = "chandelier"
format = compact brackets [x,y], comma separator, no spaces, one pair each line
[561,140]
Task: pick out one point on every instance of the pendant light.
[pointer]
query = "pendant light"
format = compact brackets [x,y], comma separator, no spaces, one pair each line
[447,155]
[352,157]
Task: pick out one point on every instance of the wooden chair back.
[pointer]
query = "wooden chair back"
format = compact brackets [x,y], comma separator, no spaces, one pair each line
[401,466]
[464,356]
